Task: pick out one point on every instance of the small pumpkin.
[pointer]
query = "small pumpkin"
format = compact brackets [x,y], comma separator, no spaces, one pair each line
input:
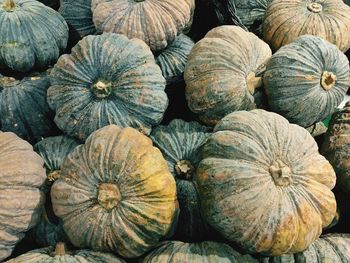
[223,72]
[32,35]
[260,189]
[115,193]
[107,79]
[287,20]
[157,23]
[306,80]
[21,201]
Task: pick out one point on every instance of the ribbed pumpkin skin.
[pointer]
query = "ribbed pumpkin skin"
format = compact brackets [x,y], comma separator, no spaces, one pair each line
[205,252]
[217,70]
[107,79]
[336,146]
[293,80]
[157,23]
[286,20]
[23,107]
[172,60]
[260,189]
[39,39]
[21,201]
[146,208]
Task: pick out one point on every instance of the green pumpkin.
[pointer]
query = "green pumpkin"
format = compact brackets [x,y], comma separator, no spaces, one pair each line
[306,80]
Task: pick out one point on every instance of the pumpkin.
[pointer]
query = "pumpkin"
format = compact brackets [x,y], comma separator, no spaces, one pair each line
[347,2]
[59,253]
[286,20]
[23,106]
[306,80]
[336,146]
[172,60]
[21,201]
[260,189]
[32,35]
[107,79]
[207,251]
[317,129]
[157,23]
[115,193]
[223,72]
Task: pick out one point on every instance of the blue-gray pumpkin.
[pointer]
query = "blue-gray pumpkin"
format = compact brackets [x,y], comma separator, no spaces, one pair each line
[107,79]
[306,80]
[32,35]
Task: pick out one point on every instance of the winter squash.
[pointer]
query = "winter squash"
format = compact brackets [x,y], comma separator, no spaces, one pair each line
[306,80]
[157,23]
[32,35]
[336,147]
[115,193]
[207,251]
[260,189]
[317,129]
[59,253]
[180,142]
[172,60]
[21,201]
[23,106]
[286,20]
[107,79]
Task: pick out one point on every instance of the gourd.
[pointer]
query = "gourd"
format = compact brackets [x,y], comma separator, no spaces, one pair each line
[107,79]
[306,80]
[21,201]
[223,72]
[260,189]
[115,193]
[286,20]
[157,23]
[32,35]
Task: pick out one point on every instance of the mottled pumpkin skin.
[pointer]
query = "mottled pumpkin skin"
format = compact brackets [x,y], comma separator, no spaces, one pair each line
[260,189]
[286,20]
[294,75]
[204,252]
[32,35]
[132,218]
[157,23]
[172,60]
[107,79]
[23,107]
[336,146]
[218,70]
[21,201]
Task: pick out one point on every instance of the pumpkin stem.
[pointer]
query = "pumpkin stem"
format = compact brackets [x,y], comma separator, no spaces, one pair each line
[8,82]
[184,169]
[328,80]
[60,249]
[281,173]
[54,175]
[315,7]
[101,89]
[108,195]
[9,5]
[253,82]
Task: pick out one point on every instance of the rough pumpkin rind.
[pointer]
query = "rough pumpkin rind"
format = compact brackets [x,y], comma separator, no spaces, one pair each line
[260,189]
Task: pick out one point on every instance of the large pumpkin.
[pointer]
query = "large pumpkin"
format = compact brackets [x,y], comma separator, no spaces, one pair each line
[306,80]
[155,22]
[115,193]
[286,20]
[21,201]
[107,79]
[32,34]
[223,72]
[264,185]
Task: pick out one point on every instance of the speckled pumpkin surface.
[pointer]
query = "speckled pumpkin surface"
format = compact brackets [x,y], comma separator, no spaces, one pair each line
[23,107]
[223,72]
[336,147]
[306,80]
[107,79]
[172,60]
[286,20]
[157,23]
[115,193]
[205,252]
[260,189]
[21,201]
[32,34]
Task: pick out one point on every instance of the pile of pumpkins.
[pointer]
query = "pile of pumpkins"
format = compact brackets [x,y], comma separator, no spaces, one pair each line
[174,131]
